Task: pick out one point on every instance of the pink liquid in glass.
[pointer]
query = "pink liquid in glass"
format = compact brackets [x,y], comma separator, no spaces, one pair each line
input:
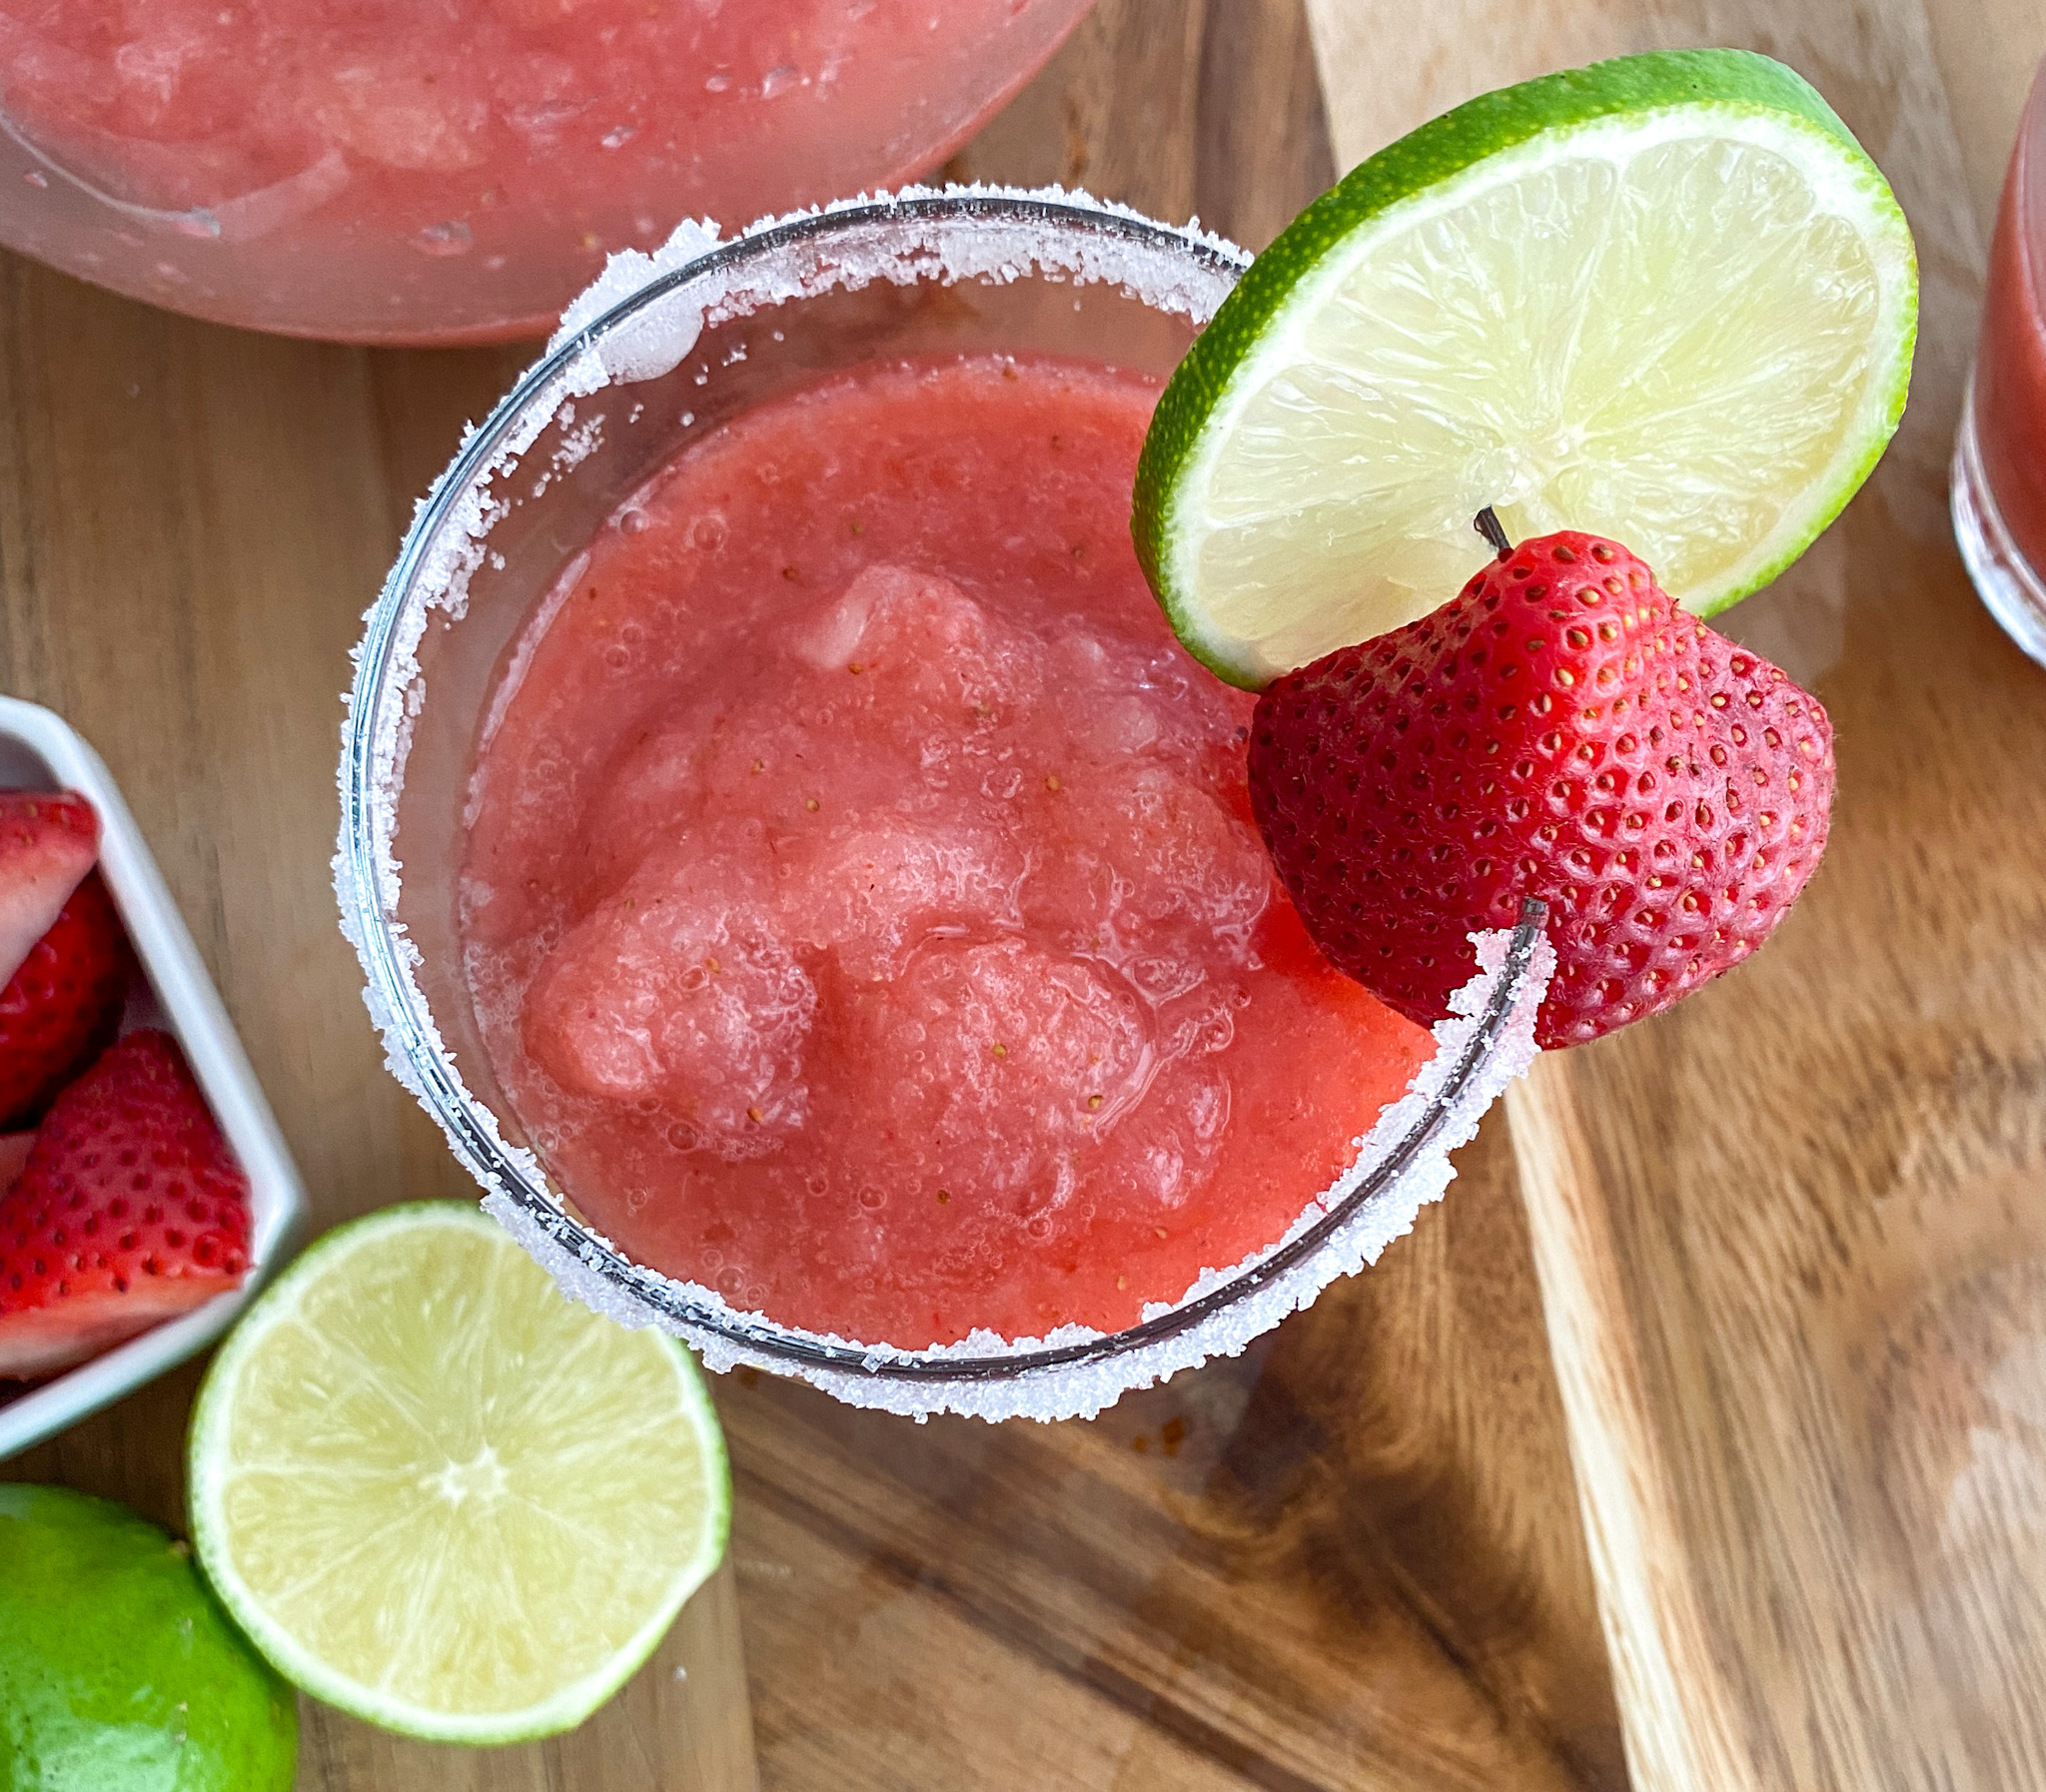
[2000,460]
[381,169]
[860,901]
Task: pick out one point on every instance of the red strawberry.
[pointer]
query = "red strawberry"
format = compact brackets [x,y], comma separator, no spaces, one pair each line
[48,841]
[1558,729]
[130,1210]
[61,1007]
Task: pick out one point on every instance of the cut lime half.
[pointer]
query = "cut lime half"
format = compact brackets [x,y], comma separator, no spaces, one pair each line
[1666,299]
[439,1496]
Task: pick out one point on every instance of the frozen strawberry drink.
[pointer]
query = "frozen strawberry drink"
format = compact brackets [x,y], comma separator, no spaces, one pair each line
[457,171]
[796,863]
[861,900]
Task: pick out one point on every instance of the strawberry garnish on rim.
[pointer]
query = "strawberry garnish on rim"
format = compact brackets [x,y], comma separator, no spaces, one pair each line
[130,1210]
[1558,730]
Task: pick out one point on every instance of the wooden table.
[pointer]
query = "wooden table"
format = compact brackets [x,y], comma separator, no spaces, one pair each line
[1753,1298]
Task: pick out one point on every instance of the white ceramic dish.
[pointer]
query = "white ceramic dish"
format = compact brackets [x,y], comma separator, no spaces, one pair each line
[40,750]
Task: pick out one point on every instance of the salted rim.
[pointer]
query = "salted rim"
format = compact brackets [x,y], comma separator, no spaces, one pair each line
[917,234]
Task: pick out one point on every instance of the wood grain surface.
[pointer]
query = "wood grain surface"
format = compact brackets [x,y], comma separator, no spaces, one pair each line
[1349,1558]
[1792,1235]
[1754,1296]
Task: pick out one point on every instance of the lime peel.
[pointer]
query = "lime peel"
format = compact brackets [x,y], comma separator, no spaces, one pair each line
[117,1667]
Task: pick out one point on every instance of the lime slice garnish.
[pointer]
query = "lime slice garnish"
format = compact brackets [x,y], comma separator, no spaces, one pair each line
[439,1496]
[1666,299]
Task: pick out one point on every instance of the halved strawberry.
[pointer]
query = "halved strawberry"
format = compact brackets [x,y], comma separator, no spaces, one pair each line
[130,1210]
[60,1008]
[49,841]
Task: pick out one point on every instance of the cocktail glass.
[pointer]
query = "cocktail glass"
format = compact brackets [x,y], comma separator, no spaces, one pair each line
[456,173]
[1999,471]
[702,341]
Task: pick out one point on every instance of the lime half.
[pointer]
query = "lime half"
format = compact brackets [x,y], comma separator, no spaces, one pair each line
[1666,299]
[442,1497]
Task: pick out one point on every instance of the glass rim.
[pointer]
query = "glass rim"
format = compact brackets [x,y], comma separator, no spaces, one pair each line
[363,868]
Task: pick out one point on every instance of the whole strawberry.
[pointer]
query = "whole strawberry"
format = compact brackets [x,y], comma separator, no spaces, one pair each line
[130,1210]
[1558,729]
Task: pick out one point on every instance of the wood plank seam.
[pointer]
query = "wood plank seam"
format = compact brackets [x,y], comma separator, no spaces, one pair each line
[1677,1719]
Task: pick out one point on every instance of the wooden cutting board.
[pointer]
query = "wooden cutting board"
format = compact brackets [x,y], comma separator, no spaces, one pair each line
[1785,1236]
[1349,1559]
[1792,1237]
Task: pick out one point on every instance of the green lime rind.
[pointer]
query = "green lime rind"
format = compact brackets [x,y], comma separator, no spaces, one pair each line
[1723,81]
[206,1446]
[118,1669]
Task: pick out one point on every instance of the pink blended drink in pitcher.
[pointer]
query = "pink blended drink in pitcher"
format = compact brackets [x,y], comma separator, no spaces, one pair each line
[861,900]
[375,170]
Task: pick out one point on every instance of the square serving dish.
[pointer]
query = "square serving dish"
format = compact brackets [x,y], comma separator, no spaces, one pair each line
[39,750]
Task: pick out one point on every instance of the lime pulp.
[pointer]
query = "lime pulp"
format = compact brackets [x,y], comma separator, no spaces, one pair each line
[442,1497]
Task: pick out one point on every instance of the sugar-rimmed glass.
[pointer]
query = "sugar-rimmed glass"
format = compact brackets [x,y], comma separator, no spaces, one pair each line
[698,343]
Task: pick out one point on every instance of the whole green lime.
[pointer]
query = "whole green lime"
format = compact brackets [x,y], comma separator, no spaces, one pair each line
[118,1672]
